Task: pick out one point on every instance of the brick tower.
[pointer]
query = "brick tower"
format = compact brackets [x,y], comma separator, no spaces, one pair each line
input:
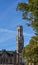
[19,39]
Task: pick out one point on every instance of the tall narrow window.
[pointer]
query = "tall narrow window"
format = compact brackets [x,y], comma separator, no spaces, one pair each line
[1,61]
[6,61]
[10,60]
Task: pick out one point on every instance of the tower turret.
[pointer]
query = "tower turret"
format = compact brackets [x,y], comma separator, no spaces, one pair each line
[19,39]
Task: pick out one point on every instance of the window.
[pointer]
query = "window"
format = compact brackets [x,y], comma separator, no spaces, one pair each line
[3,61]
[18,30]
[6,60]
[10,61]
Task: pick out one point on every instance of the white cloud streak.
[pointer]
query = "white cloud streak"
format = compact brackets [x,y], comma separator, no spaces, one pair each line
[6,34]
[6,30]
[28,34]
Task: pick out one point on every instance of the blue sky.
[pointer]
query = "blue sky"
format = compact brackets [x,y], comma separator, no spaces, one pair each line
[9,20]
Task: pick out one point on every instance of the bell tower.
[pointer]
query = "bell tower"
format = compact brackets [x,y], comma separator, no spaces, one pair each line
[19,39]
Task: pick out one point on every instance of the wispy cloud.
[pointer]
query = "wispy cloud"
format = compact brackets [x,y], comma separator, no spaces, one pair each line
[6,34]
[6,30]
[28,34]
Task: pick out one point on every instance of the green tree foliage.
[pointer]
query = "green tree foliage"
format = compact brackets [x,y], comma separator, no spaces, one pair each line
[30,52]
[30,12]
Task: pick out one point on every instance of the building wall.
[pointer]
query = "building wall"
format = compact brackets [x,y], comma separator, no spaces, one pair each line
[5,59]
[9,60]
